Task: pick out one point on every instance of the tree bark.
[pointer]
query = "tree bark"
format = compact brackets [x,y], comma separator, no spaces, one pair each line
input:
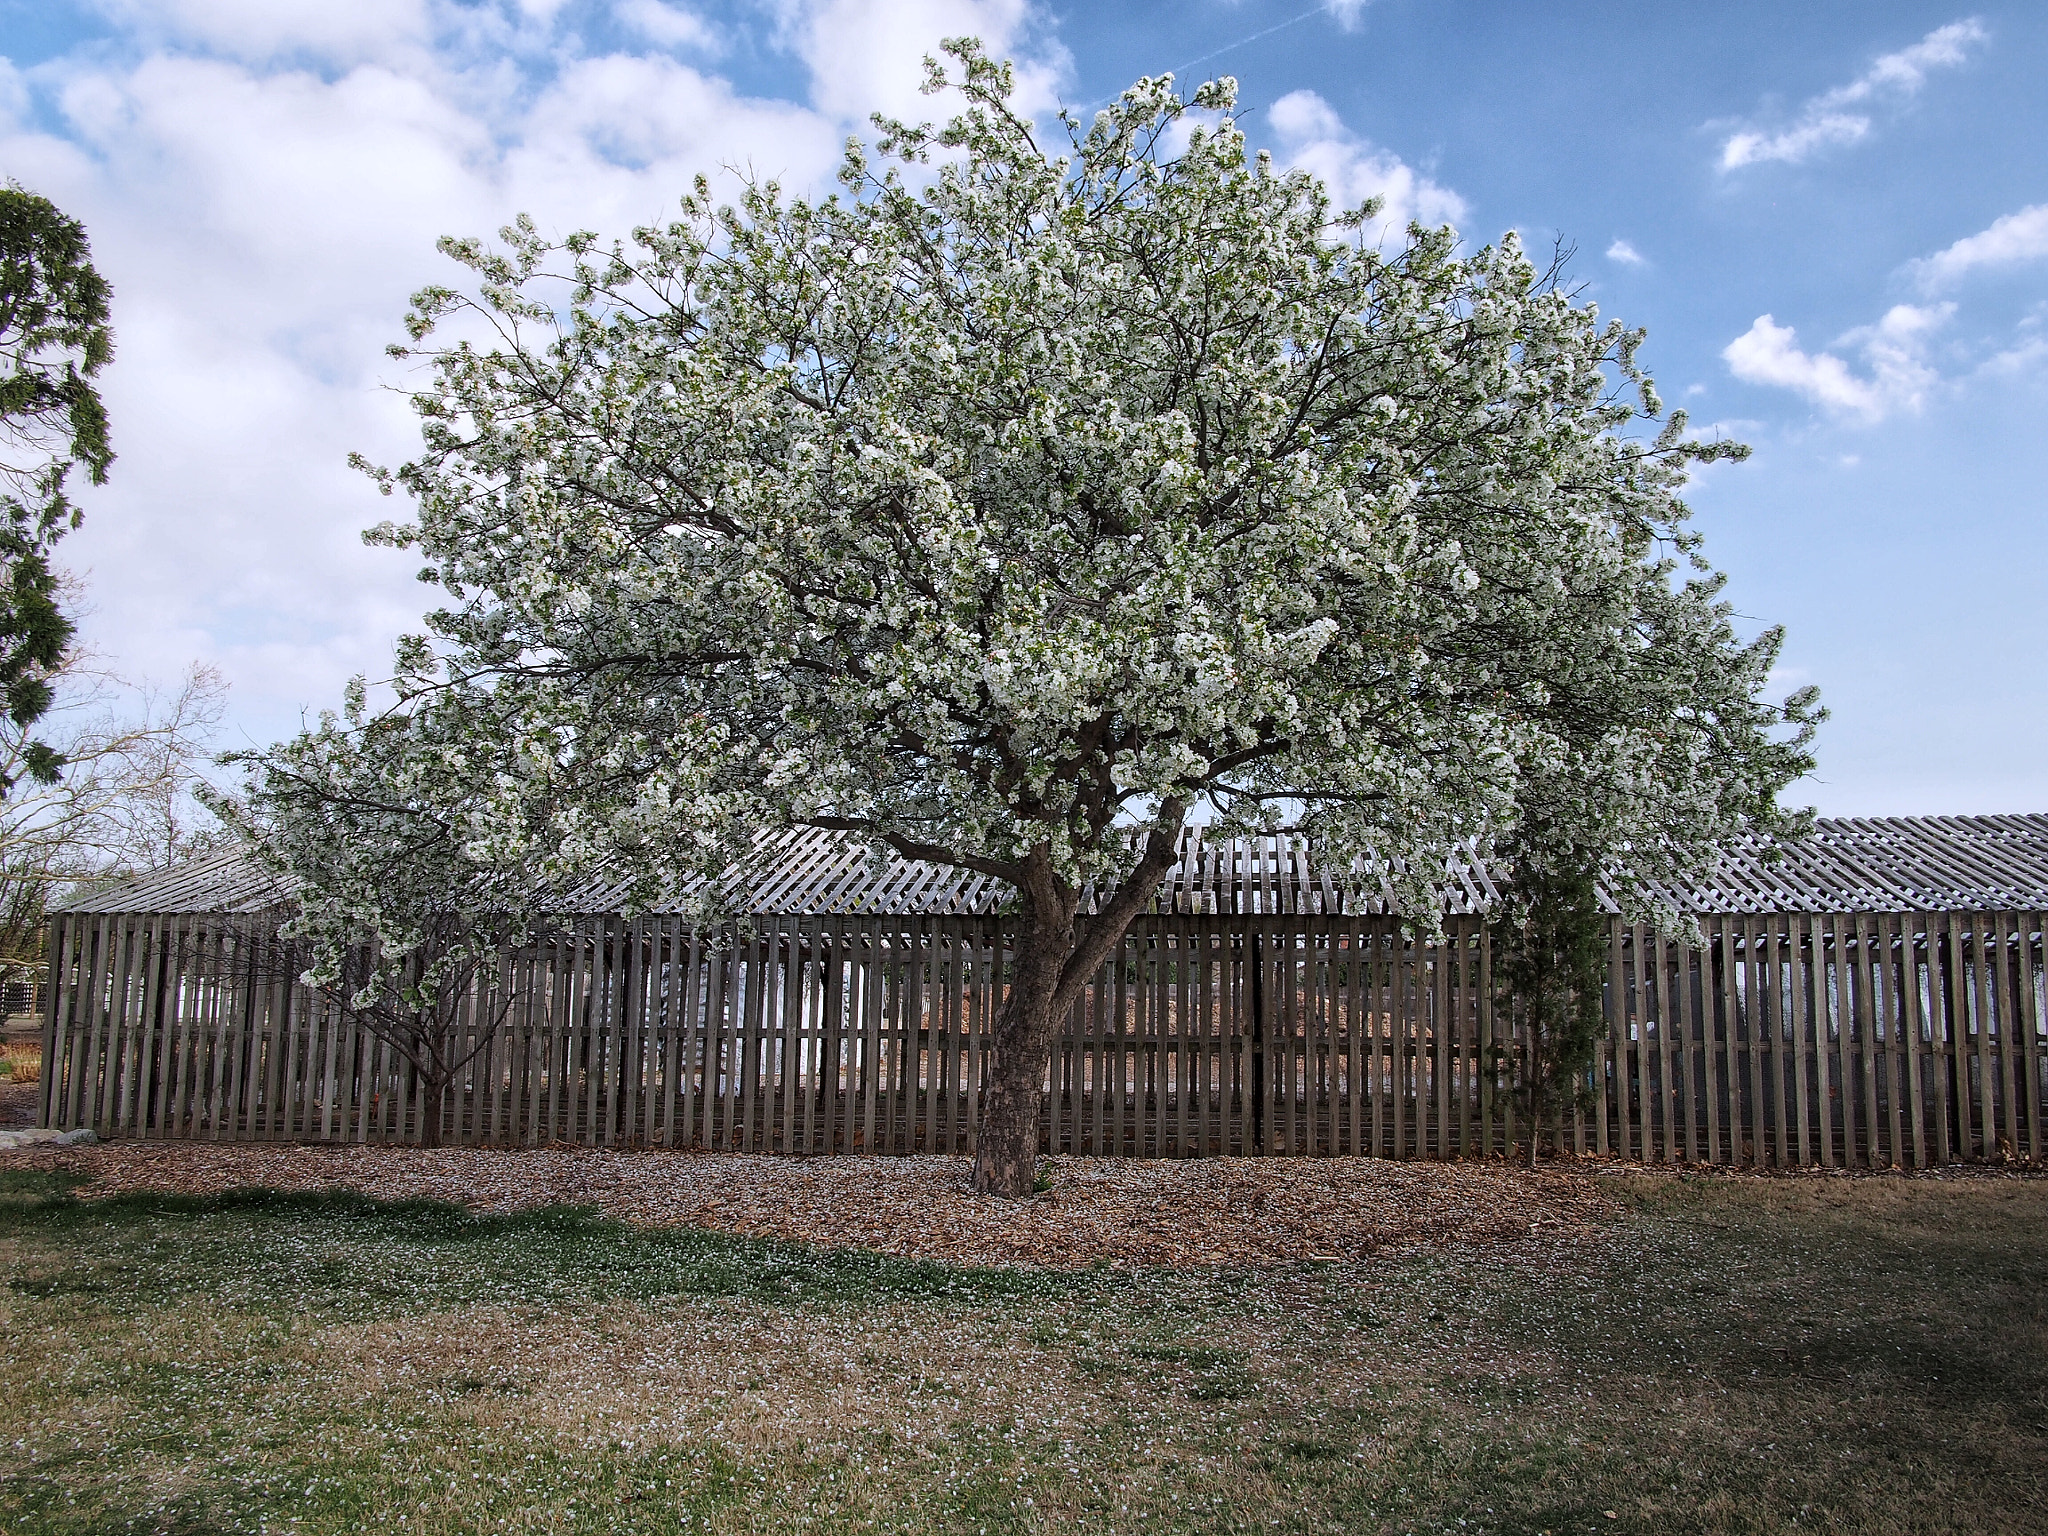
[1006,1148]
[1055,958]
[434,1095]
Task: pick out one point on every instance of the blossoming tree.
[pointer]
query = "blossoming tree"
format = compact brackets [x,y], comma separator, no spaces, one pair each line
[1011,508]
[386,842]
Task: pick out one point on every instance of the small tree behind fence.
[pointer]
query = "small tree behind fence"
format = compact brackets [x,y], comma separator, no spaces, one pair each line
[443,1005]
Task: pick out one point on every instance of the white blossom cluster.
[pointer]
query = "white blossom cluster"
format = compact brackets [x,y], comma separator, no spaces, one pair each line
[1006,500]
[388,834]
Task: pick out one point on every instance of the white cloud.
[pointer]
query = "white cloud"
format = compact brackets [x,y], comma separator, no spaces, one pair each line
[1625,253]
[2017,237]
[867,56]
[1794,144]
[262,227]
[2025,357]
[1823,121]
[1897,375]
[2027,353]
[1312,136]
[617,139]
[666,26]
[1350,14]
[1906,71]
[14,94]
[259,30]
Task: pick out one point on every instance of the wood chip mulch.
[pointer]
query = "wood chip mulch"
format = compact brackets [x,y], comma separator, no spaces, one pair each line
[1120,1211]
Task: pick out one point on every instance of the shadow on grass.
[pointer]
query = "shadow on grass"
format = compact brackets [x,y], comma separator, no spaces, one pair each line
[21,1187]
[345,1240]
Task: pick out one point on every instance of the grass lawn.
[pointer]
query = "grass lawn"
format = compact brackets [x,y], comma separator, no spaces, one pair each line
[1735,1355]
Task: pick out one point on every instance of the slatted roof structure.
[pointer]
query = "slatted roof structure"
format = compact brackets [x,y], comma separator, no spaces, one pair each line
[1852,864]
[834,873]
[1885,864]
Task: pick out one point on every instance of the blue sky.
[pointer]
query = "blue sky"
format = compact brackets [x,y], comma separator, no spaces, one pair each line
[1833,219]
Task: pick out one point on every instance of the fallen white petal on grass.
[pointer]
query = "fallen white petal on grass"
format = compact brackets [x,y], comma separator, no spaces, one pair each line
[1126,1212]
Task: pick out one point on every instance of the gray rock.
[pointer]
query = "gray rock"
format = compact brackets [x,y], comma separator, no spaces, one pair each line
[44,1137]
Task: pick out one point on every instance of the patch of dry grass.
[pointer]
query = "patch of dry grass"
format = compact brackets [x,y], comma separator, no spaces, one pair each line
[21,1061]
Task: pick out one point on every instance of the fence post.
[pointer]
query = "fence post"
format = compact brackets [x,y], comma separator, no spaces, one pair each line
[1258,1038]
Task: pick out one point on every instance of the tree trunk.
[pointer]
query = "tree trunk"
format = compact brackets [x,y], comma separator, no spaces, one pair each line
[1006,1147]
[433,1095]
[435,1074]
[1055,958]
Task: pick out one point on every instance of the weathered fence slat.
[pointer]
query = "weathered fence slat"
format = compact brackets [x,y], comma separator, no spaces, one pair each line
[1982,999]
[2030,1028]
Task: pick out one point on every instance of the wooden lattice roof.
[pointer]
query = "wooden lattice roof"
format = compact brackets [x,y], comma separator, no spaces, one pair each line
[834,873]
[1851,864]
[1886,864]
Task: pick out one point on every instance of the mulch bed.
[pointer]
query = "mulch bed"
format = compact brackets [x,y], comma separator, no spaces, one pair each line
[1124,1212]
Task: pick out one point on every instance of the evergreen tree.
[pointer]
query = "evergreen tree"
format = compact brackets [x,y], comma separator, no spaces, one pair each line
[54,340]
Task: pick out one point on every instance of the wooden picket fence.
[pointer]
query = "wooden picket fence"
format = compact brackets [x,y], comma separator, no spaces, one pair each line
[1876,1039]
